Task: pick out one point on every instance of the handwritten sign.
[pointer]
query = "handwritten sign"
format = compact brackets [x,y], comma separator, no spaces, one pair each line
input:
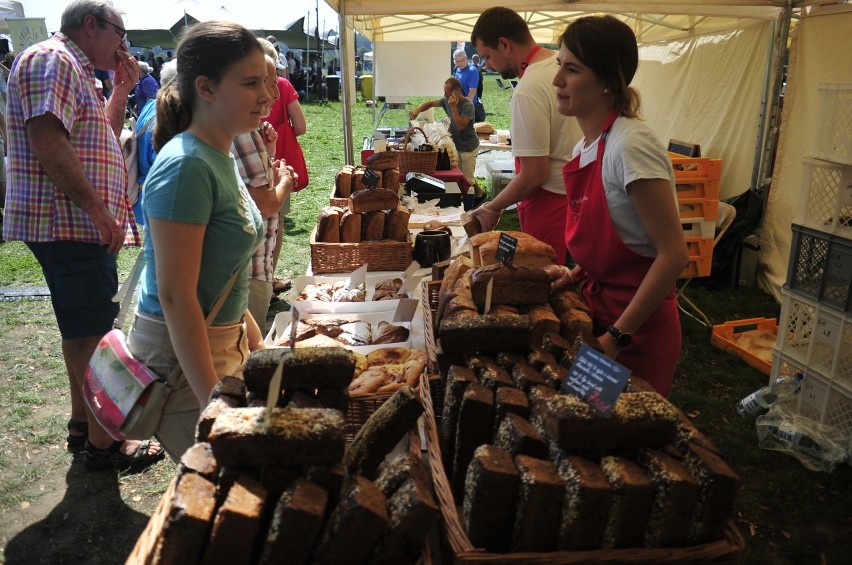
[597,379]
[371,179]
[506,246]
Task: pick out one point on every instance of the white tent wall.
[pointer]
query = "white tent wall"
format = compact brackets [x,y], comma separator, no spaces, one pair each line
[820,53]
[707,89]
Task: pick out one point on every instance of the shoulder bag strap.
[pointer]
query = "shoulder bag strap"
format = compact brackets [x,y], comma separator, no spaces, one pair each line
[125,293]
[223,296]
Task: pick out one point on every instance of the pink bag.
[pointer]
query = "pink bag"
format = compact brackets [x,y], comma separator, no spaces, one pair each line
[125,396]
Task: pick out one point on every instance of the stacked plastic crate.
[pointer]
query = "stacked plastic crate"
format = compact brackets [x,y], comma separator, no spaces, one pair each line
[697,182]
[815,333]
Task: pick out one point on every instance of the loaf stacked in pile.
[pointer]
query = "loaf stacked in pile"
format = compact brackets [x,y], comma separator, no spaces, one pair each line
[369,214]
[539,471]
[284,490]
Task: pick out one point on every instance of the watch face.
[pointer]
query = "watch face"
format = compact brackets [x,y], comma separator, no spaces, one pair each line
[624,340]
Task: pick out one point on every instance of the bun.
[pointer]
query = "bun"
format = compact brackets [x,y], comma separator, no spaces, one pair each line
[372,200]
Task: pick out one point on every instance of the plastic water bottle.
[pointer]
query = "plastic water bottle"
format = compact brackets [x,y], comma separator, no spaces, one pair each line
[760,400]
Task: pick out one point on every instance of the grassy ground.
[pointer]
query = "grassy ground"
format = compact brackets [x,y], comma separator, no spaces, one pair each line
[53,511]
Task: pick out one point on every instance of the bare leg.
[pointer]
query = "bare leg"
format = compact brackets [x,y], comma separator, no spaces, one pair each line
[77,353]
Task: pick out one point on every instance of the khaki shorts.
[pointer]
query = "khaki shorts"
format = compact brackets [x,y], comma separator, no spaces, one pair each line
[148,341]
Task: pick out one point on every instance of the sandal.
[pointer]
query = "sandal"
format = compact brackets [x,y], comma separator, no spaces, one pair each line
[77,443]
[112,456]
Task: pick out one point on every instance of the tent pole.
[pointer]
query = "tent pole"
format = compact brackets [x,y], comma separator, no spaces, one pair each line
[347,70]
[768,132]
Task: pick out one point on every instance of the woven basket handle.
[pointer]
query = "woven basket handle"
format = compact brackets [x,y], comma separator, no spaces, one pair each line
[411,129]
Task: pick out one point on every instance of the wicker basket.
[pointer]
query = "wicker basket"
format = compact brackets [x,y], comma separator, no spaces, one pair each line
[335,200]
[429,303]
[380,255]
[416,161]
[726,550]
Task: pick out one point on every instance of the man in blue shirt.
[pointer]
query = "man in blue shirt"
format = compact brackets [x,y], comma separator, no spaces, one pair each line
[468,76]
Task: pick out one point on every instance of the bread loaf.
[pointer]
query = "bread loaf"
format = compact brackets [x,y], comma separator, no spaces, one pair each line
[512,285]
[371,200]
[383,160]
[510,400]
[343,181]
[719,485]
[478,240]
[529,252]
[586,506]
[184,533]
[675,498]
[350,227]
[490,496]
[539,505]
[328,224]
[296,524]
[475,427]
[396,224]
[373,225]
[199,459]
[355,526]
[236,523]
[454,272]
[358,180]
[458,379]
[517,436]
[488,333]
[390,179]
[544,320]
[632,496]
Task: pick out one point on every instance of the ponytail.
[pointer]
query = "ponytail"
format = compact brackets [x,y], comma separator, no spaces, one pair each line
[173,116]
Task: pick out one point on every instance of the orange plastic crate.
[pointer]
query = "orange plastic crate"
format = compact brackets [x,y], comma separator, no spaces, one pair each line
[725,337]
[700,257]
[697,188]
[696,167]
[699,208]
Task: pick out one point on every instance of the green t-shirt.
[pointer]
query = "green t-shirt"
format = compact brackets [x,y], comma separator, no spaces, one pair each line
[194,183]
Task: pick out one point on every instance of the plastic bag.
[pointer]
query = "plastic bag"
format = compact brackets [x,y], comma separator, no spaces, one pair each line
[819,447]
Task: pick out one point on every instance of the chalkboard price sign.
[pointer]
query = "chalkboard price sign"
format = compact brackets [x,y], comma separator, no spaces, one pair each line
[371,179]
[506,246]
[597,379]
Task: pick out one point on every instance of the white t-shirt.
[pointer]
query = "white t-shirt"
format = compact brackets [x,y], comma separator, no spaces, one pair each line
[632,152]
[537,128]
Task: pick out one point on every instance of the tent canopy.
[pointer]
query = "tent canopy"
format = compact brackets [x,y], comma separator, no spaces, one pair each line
[9,9]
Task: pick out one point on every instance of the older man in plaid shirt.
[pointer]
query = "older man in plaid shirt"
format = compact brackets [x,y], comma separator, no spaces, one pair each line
[67,195]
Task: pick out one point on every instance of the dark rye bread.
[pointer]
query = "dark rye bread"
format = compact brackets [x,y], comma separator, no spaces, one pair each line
[294,436]
[510,400]
[632,497]
[236,524]
[639,419]
[353,529]
[184,533]
[586,505]
[330,478]
[412,511]
[508,359]
[304,368]
[512,285]
[232,387]
[539,358]
[539,505]
[493,375]
[525,377]
[675,498]
[538,397]
[719,485]
[517,436]
[490,494]
[215,407]
[296,523]
[556,345]
[475,427]
[554,375]
[382,431]
[337,399]
[487,333]
[458,379]
[199,459]
[396,472]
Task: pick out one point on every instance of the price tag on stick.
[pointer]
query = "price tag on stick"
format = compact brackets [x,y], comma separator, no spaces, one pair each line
[506,247]
[274,393]
[489,289]
[294,326]
[597,379]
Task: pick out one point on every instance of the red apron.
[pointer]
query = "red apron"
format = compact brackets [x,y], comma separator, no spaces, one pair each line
[611,273]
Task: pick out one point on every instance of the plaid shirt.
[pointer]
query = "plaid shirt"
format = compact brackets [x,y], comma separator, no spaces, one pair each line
[56,77]
[256,170]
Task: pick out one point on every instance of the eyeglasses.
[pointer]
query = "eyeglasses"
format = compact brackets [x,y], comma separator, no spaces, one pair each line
[122,33]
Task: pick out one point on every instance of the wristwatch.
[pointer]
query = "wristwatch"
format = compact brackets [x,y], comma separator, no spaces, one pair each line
[622,339]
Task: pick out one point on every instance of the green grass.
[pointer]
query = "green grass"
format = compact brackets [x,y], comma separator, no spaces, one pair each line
[786,513]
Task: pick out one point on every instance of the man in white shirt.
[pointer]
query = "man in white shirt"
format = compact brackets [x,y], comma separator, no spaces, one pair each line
[542,138]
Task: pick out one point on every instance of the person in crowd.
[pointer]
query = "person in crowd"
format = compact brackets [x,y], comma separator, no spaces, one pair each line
[254,152]
[469,77]
[2,167]
[477,64]
[623,227]
[542,138]
[202,226]
[291,64]
[67,197]
[147,87]
[460,111]
[145,153]
[155,66]
[289,122]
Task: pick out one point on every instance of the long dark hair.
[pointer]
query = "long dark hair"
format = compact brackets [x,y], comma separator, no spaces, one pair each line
[206,49]
[608,47]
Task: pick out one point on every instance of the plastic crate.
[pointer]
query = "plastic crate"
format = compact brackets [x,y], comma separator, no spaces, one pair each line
[697,188]
[698,227]
[818,337]
[826,201]
[834,137]
[706,209]
[819,399]
[725,337]
[821,267]
[700,257]
[695,167]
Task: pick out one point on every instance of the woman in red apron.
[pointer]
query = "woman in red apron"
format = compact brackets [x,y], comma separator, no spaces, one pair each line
[623,228]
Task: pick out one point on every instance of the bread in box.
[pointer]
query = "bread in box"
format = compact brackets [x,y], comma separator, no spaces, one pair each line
[328,224]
